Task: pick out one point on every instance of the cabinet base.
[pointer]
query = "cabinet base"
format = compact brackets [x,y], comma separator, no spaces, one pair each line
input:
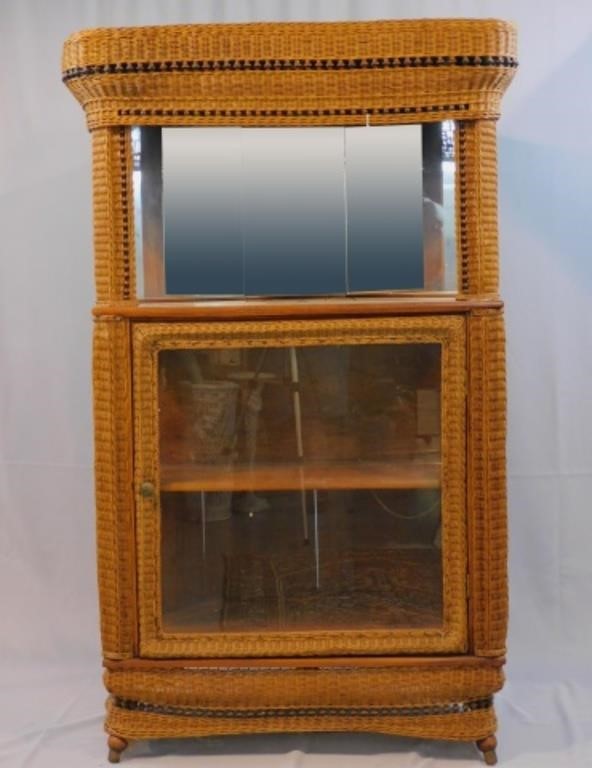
[451,723]
[448,699]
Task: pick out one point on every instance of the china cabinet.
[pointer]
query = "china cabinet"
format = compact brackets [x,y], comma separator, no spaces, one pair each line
[298,376]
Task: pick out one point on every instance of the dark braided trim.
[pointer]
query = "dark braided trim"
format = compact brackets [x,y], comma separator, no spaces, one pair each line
[283,65]
[461,707]
[125,200]
[363,111]
[463,245]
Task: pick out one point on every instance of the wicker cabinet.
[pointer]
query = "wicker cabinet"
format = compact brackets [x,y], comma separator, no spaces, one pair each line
[298,376]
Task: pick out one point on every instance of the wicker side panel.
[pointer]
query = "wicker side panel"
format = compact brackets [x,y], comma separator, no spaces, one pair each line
[487,483]
[259,688]
[466,726]
[113,479]
[113,215]
[477,205]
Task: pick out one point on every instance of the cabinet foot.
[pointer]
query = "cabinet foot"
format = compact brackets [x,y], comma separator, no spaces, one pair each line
[487,746]
[116,746]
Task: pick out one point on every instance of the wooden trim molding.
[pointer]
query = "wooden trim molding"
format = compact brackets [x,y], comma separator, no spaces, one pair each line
[306,308]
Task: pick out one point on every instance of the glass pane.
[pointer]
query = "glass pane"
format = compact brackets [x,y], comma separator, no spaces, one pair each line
[384,208]
[203,237]
[294,227]
[300,488]
[294,211]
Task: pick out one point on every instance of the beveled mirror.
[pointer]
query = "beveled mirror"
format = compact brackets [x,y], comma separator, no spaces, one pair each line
[219,211]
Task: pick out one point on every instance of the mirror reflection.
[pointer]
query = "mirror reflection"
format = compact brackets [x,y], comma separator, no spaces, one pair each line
[294,211]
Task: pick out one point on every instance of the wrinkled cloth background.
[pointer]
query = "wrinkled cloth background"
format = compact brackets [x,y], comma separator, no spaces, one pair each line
[51,697]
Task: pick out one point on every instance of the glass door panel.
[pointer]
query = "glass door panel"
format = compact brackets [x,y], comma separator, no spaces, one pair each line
[300,488]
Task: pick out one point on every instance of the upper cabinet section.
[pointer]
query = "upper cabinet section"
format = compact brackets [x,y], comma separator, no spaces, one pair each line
[291,73]
[294,159]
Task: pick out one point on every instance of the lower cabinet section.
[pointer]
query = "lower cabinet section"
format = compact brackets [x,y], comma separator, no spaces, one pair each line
[317,536]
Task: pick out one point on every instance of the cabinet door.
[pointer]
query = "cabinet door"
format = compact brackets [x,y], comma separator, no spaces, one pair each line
[301,487]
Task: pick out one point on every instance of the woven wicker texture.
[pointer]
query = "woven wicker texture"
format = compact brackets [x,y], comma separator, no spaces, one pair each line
[113,482]
[477,208]
[465,726]
[487,483]
[270,74]
[148,339]
[113,215]
[413,685]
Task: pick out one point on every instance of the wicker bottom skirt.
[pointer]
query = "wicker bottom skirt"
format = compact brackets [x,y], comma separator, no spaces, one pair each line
[465,726]
[452,702]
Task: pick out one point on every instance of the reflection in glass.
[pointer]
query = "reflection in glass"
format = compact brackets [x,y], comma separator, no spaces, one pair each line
[294,211]
[384,208]
[300,487]
[202,211]
[294,232]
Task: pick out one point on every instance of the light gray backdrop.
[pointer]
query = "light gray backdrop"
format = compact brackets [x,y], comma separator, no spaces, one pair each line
[51,705]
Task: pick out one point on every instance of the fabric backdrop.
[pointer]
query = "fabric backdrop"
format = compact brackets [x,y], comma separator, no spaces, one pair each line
[51,700]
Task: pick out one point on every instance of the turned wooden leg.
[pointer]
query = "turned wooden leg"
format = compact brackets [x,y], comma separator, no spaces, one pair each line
[116,746]
[487,746]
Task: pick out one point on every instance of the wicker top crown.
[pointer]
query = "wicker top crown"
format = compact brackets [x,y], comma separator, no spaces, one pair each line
[291,73]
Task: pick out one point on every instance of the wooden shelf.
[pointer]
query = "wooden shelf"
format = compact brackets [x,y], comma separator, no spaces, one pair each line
[188,308]
[294,476]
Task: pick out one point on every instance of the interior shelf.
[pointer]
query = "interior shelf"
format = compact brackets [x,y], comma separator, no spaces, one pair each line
[293,476]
